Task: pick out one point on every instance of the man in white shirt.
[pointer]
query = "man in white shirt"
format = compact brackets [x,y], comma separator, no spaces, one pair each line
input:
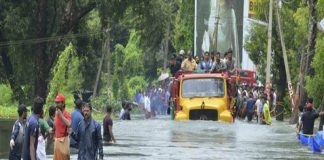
[274,101]
[255,94]
[257,104]
[147,106]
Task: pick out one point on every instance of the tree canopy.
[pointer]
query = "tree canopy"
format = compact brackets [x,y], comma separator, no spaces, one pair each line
[296,30]
[64,45]
[57,46]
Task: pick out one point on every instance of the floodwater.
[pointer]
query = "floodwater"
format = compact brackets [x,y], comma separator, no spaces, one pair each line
[162,138]
[5,132]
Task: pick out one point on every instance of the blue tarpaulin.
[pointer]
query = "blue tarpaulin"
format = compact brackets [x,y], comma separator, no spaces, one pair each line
[320,138]
[313,145]
[303,139]
[314,142]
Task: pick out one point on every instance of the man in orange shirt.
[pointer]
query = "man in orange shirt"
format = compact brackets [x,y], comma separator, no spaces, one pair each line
[62,128]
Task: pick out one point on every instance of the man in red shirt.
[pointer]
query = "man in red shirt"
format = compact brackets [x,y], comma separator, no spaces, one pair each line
[62,126]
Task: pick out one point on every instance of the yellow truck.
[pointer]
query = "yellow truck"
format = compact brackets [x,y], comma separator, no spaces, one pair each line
[205,96]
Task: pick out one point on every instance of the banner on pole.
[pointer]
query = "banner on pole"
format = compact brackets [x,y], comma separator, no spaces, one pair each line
[252,4]
[215,27]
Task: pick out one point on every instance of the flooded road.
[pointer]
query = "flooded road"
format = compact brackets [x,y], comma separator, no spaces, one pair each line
[5,133]
[165,139]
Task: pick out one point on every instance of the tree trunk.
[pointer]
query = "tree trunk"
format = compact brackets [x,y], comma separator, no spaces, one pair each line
[294,115]
[95,87]
[41,58]
[312,36]
[18,93]
[109,79]
[300,84]
[281,88]
[306,68]
[47,53]
[106,56]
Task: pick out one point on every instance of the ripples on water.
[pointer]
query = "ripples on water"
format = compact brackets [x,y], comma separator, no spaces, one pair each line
[162,138]
[165,139]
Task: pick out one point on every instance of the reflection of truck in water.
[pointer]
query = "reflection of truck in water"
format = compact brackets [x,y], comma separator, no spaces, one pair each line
[206,96]
[201,97]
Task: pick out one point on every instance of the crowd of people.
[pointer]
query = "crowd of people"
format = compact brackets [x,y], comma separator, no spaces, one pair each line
[155,100]
[30,137]
[207,62]
[63,131]
[252,103]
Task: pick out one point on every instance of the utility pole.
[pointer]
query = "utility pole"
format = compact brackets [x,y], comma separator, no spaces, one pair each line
[268,86]
[95,87]
[105,52]
[166,48]
[284,51]
[283,46]
[216,27]
[108,60]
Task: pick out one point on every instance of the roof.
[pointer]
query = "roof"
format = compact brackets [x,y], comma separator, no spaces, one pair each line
[242,78]
[201,75]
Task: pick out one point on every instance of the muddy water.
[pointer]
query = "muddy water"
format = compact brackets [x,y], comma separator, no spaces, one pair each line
[165,139]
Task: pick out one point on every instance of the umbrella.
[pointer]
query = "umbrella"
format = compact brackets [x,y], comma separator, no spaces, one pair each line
[321,25]
[163,76]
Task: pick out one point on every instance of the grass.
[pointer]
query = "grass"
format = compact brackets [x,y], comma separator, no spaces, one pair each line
[8,112]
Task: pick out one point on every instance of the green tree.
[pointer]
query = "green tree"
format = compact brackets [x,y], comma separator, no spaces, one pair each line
[118,74]
[133,62]
[66,77]
[184,25]
[135,84]
[294,16]
[153,20]
[36,20]
[128,68]
[314,84]
[34,35]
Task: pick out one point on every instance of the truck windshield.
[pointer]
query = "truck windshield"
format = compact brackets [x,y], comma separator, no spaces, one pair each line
[203,87]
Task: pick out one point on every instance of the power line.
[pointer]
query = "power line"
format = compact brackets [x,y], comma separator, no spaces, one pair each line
[47,39]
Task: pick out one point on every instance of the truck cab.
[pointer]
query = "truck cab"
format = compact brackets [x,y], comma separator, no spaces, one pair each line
[203,96]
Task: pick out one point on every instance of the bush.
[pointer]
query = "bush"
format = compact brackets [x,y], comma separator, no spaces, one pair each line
[287,106]
[135,84]
[5,95]
[100,102]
